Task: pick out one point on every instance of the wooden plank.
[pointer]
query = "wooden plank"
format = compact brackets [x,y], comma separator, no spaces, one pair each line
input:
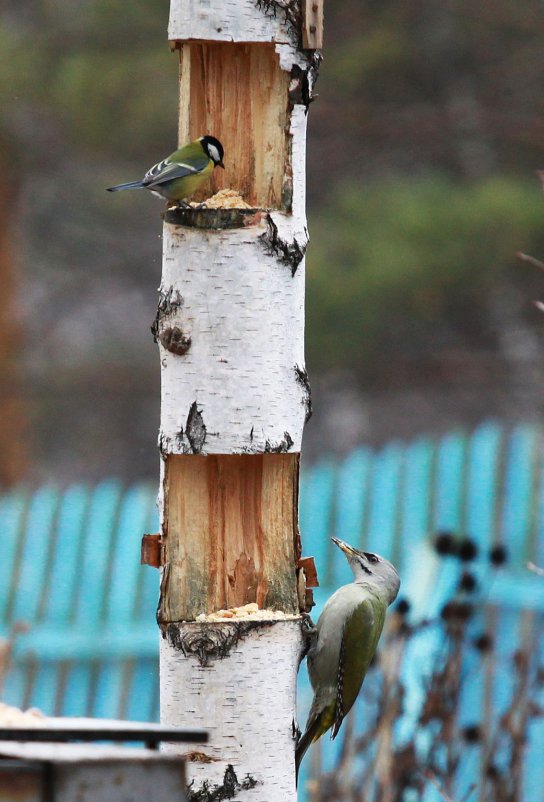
[91,593]
[533,769]
[12,509]
[147,590]
[351,509]
[433,582]
[234,87]
[448,512]
[481,509]
[519,480]
[515,526]
[51,643]
[125,568]
[317,493]
[482,484]
[533,765]
[29,575]
[415,514]
[384,500]
[231,533]
[63,578]
[60,583]
[77,698]
[35,550]
[312,24]
[95,567]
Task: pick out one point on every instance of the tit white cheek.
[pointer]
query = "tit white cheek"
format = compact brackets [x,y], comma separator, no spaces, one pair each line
[214,153]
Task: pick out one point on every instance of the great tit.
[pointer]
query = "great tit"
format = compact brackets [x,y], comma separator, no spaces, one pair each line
[180,174]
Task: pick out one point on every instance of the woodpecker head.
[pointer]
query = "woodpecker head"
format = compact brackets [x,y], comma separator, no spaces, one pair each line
[371,569]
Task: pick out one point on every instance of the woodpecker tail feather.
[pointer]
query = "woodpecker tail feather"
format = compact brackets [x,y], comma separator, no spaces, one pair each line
[130,185]
[313,731]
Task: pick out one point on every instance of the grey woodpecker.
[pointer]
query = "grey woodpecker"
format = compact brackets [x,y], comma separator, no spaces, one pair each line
[345,640]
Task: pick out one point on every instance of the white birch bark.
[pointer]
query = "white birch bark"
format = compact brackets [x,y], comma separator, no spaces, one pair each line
[244,314]
[246,700]
[227,21]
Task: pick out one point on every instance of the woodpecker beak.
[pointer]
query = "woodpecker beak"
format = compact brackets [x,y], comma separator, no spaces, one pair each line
[345,547]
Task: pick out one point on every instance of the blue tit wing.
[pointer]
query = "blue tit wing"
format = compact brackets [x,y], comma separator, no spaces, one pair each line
[360,637]
[168,170]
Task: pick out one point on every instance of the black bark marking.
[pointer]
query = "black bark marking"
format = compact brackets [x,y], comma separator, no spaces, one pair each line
[209,641]
[279,448]
[288,253]
[301,376]
[174,340]
[195,430]
[228,790]
[291,10]
[169,302]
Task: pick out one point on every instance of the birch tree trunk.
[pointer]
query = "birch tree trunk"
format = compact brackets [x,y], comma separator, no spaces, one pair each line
[235,397]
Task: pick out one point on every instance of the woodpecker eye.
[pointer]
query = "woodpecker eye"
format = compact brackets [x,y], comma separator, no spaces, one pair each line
[370,557]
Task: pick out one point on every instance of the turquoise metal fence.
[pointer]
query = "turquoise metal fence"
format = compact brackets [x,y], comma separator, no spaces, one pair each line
[70,572]
[69,567]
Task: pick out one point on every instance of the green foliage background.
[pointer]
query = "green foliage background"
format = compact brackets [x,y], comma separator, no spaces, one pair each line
[404,266]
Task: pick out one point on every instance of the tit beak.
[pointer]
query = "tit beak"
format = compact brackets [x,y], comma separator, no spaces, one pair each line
[220,164]
[345,547]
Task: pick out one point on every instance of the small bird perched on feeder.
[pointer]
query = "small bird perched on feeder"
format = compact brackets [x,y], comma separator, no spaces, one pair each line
[180,174]
[344,642]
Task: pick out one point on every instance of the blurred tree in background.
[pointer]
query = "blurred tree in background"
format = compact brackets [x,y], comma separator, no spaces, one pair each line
[422,150]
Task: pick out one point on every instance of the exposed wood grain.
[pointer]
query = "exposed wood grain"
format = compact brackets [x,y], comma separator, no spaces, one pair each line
[232,533]
[238,93]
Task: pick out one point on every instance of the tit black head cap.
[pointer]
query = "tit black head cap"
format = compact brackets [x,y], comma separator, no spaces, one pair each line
[214,149]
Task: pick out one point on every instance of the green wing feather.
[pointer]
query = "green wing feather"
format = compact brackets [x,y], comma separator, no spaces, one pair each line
[360,637]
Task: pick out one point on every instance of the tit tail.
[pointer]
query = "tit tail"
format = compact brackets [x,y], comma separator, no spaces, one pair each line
[130,185]
[313,732]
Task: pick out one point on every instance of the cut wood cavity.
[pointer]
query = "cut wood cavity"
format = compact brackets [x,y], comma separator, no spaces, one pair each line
[253,126]
[232,519]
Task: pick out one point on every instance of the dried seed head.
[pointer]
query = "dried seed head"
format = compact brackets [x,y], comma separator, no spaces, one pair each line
[456,611]
[484,642]
[468,582]
[402,607]
[471,734]
[444,543]
[468,550]
[498,555]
